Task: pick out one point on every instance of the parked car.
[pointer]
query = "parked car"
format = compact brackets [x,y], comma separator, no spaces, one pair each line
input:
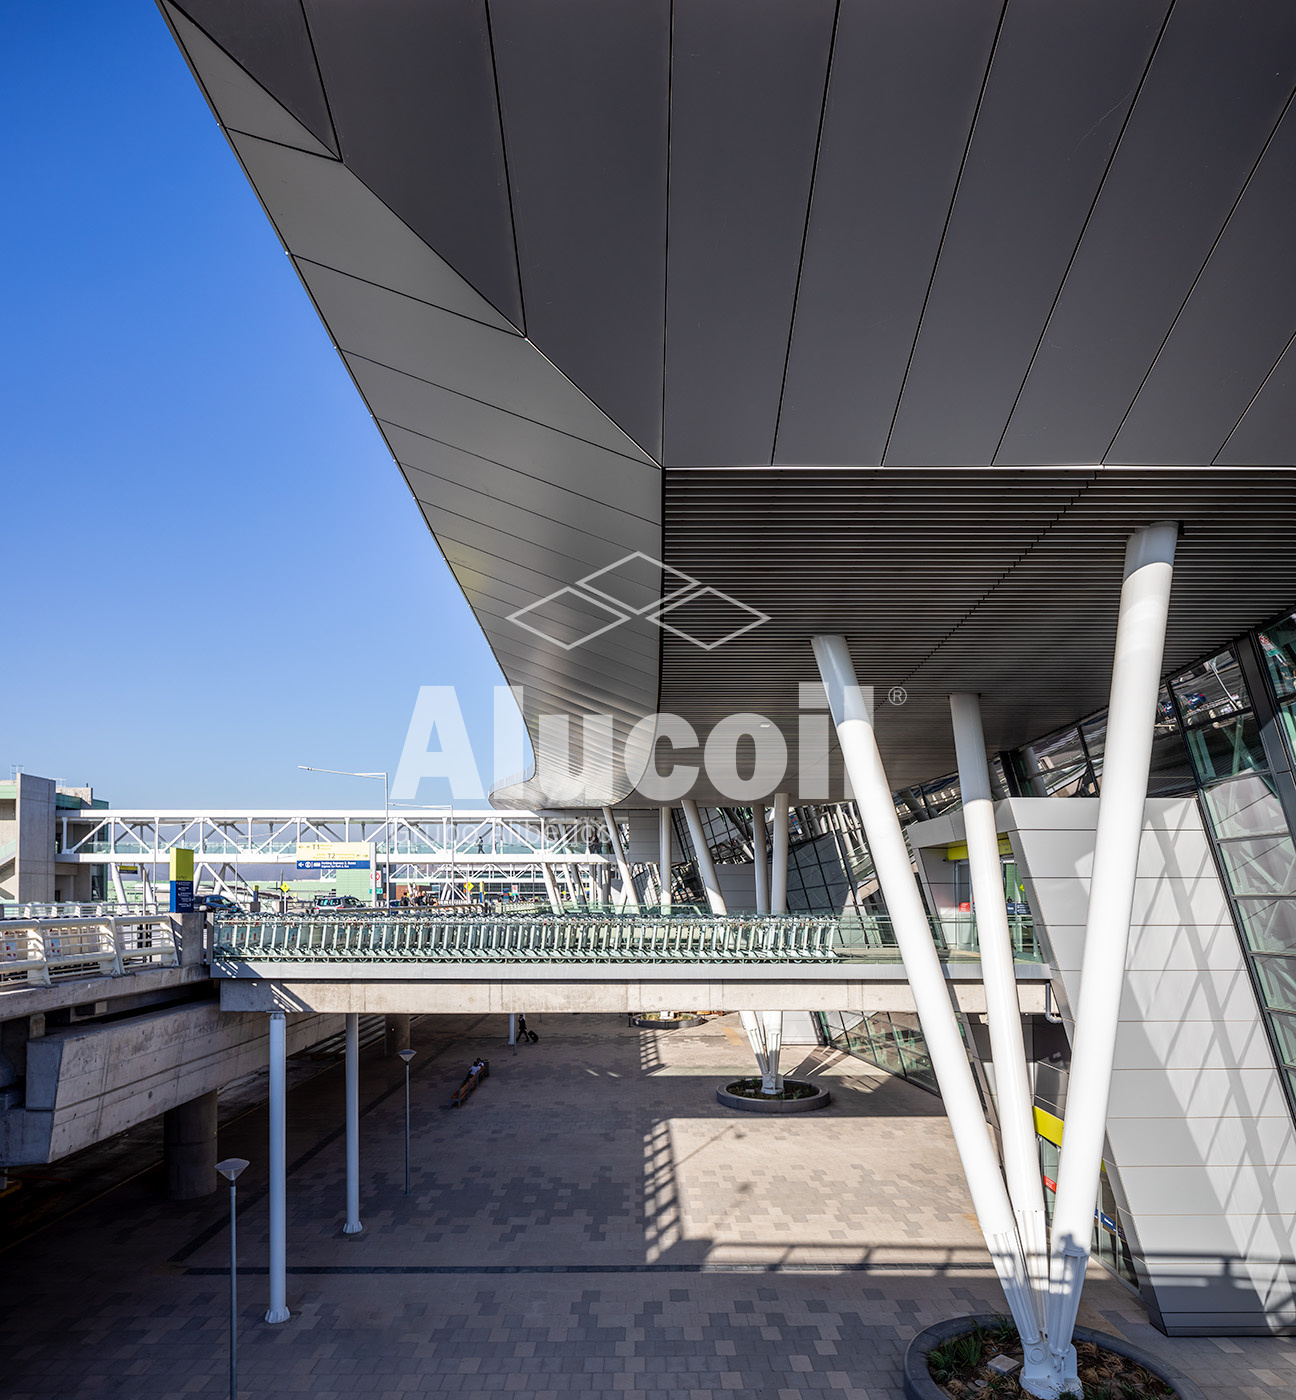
[338,901]
[216,904]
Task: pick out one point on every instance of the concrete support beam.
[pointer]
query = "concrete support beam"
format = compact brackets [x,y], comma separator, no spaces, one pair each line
[189,1148]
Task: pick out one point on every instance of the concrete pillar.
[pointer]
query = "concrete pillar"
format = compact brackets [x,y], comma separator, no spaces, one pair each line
[353,1225]
[396,1035]
[189,1148]
[278,1310]
[664,835]
[188,931]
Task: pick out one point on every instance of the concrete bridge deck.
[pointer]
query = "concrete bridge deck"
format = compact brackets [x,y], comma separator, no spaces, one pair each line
[584,963]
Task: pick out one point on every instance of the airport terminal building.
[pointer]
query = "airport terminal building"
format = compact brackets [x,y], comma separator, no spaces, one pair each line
[866,435]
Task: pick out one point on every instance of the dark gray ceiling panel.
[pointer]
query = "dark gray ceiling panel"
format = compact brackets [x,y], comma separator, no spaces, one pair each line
[747,86]
[491,432]
[457,353]
[583,485]
[583,92]
[1266,436]
[239,101]
[504,437]
[1217,86]
[906,75]
[269,39]
[1060,85]
[325,214]
[1234,327]
[412,92]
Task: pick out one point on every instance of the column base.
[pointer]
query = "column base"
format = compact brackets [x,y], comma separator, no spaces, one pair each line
[278,1315]
[353,1228]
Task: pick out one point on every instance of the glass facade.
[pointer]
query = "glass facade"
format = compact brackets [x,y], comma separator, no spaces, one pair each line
[891,1040]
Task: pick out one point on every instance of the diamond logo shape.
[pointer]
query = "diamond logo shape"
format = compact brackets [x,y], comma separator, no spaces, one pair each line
[638,583]
[568,619]
[708,618]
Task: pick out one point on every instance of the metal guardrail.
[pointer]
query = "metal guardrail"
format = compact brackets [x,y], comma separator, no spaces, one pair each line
[38,952]
[86,909]
[486,940]
[389,936]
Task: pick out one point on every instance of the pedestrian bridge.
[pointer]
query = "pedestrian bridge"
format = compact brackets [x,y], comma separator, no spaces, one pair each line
[414,962]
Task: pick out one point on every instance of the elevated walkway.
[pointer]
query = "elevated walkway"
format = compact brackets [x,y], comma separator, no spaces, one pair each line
[579,963]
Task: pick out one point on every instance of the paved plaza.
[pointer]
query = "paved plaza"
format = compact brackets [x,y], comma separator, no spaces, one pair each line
[591,1220]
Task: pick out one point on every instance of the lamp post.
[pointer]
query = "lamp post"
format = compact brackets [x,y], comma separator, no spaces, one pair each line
[230,1169]
[407,1056]
[346,773]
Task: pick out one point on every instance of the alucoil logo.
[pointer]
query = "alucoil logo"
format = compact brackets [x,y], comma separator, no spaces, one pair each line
[638,586]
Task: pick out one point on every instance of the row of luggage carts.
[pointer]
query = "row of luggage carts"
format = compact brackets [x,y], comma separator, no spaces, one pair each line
[814,938]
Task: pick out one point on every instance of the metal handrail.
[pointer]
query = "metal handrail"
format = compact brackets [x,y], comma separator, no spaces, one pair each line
[35,952]
[409,936]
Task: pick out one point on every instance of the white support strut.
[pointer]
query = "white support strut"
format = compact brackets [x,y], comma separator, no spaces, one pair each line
[779,855]
[705,864]
[853,718]
[760,859]
[1127,757]
[623,865]
[1013,1095]
[664,858]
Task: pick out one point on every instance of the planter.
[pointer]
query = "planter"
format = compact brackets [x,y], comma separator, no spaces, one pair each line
[819,1098]
[677,1023]
[918,1384]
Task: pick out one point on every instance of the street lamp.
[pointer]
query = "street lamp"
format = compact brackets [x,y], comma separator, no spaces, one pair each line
[346,773]
[407,1056]
[230,1169]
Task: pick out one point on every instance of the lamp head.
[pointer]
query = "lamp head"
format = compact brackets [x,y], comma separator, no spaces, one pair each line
[407,1055]
[231,1167]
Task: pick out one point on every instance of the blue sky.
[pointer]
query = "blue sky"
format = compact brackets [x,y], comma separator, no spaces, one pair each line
[212,569]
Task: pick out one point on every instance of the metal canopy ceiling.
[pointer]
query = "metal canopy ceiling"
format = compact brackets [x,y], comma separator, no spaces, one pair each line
[890,317]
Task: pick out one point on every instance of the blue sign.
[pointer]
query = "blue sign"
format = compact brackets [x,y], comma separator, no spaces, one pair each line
[182,897]
[332,865]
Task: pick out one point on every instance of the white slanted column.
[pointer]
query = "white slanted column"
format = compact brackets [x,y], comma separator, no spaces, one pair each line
[852,715]
[623,865]
[1127,757]
[575,883]
[551,887]
[706,866]
[761,858]
[1012,1081]
[765,1031]
[664,857]
[779,856]
[353,1225]
[278,1311]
